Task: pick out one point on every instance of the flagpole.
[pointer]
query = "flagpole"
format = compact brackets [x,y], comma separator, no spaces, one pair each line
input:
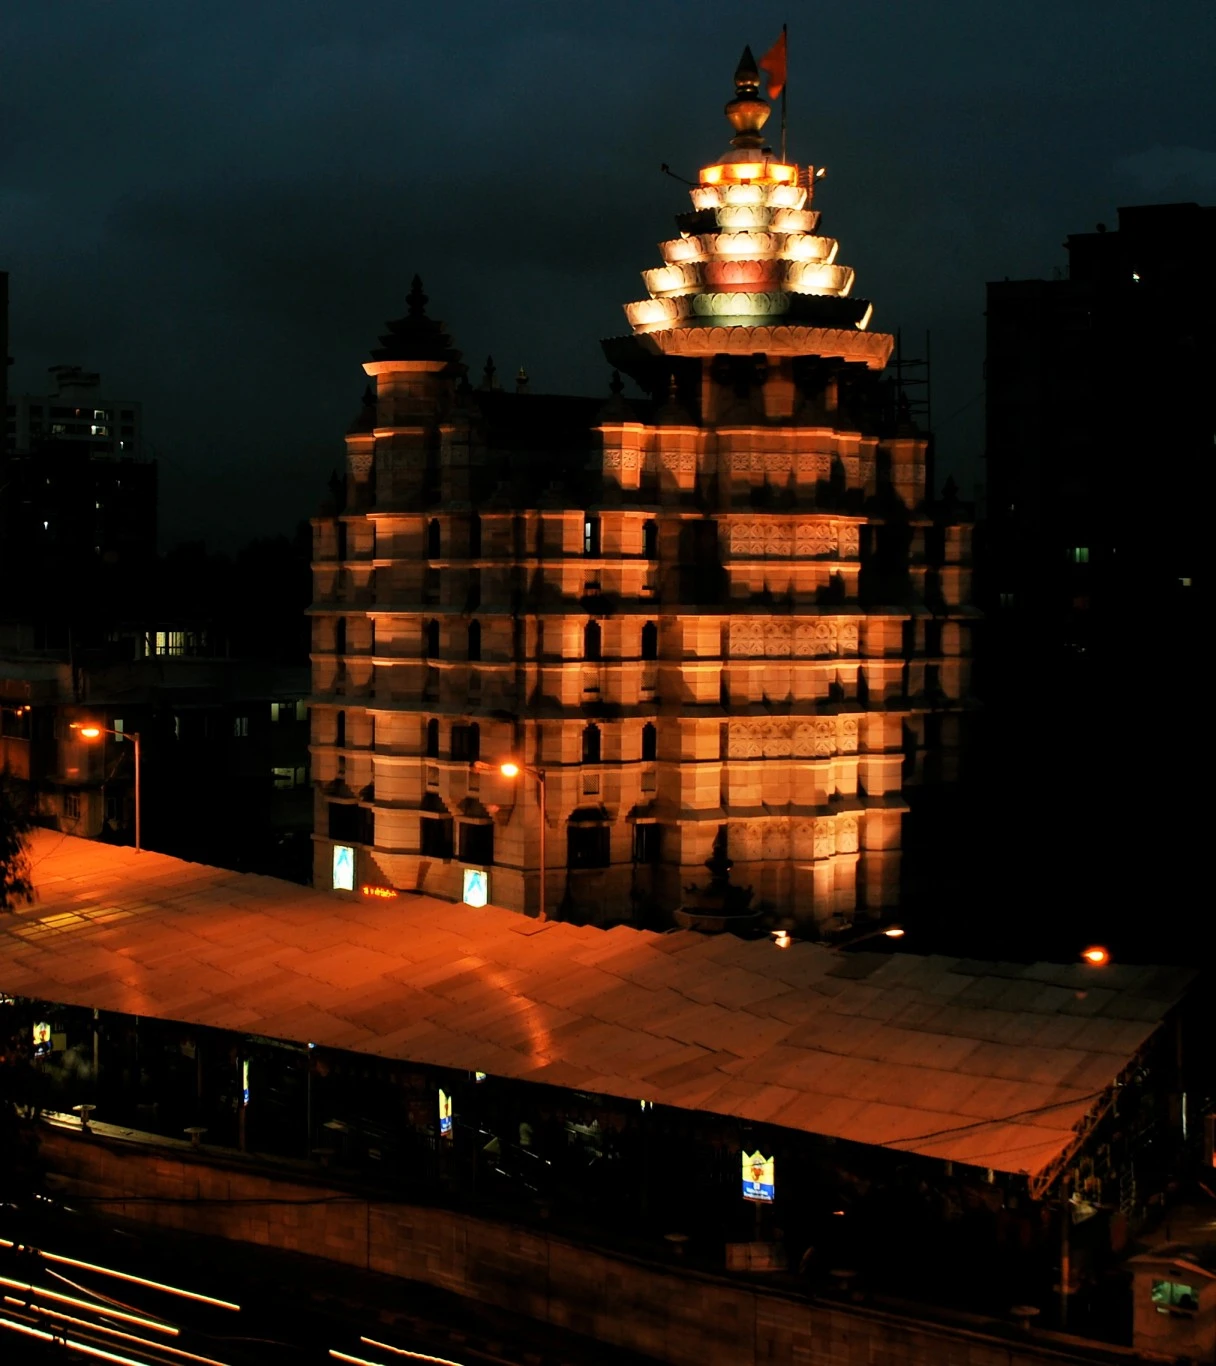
[784,88]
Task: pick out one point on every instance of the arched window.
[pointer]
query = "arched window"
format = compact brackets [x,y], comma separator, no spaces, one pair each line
[650,540]
[466,743]
[591,744]
[340,730]
[474,536]
[340,636]
[433,549]
[432,639]
[650,741]
[591,640]
[474,640]
[432,738]
[650,641]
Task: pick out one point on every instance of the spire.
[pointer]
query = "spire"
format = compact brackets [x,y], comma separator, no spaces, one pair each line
[366,420]
[416,336]
[521,381]
[747,112]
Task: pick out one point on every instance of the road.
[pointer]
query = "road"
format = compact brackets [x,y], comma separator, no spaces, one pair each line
[75,1287]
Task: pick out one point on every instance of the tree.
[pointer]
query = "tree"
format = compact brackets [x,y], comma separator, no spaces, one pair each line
[16,884]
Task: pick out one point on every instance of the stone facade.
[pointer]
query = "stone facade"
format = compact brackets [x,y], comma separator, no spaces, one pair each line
[722,616]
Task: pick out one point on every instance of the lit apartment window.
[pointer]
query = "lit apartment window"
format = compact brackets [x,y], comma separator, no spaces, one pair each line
[591,535]
[98,430]
[71,805]
[1079,554]
[118,726]
[171,642]
[301,710]
[287,777]
[240,727]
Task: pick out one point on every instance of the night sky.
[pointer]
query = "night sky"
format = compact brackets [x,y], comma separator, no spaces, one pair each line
[218,205]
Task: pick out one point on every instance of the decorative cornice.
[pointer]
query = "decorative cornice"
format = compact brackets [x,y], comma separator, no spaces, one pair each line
[872,349]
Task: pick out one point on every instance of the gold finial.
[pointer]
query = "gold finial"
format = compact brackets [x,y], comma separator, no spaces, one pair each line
[747,112]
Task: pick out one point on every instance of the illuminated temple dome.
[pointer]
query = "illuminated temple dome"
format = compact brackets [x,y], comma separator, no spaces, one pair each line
[749,255]
[724,618]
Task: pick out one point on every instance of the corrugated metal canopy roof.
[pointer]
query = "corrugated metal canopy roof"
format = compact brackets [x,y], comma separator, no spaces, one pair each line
[993,1064]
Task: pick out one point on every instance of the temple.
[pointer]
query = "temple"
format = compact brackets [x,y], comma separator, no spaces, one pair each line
[718,627]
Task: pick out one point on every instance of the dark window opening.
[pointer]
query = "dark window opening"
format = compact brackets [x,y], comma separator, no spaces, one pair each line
[650,540]
[432,739]
[350,824]
[342,532]
[475,536]
[340,730]
[650,641]
[591,744]
[475,640]
[340,636]
[433,544]
[592,640]
[477,842]
[432,639]
[587,846]
[466,743]
[647,842]
[650,741]
[436,836]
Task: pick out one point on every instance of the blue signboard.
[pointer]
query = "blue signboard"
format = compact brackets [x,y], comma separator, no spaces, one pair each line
[759,1182]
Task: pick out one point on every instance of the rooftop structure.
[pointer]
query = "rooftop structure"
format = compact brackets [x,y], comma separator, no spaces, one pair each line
[723,620]
[1000,1066]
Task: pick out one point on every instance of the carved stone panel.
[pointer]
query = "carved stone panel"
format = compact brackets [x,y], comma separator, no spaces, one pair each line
[846,835]
[776,840]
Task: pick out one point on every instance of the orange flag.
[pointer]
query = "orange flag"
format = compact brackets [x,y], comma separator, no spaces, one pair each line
[774,62]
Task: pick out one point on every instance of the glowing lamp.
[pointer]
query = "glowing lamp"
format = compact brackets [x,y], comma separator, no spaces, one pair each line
[755,246]
[793,220]
[782,939]
[806,247]
[509,770]
[88,732]
[1096,956]
[895,932]
[743,216]
[786,196]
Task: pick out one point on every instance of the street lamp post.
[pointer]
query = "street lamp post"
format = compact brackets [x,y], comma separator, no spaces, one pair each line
[510,768]
[88,730]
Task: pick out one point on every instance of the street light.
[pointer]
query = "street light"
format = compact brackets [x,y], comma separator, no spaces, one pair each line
[509,768]
[1096,956]
[89,730]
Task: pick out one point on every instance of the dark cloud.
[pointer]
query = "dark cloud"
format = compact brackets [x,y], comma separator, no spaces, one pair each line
[218,206]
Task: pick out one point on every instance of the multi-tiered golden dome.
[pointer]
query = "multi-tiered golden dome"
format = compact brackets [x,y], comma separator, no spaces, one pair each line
[749,254]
